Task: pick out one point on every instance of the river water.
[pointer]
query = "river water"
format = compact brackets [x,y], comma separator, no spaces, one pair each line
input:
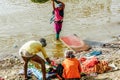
[22,20]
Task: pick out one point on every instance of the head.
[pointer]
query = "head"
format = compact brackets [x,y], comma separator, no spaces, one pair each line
[69,54]
[43,42]
[60,6]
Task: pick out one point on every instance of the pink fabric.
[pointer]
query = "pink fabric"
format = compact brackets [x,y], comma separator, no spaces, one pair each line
[83,59]
[53,63]
[72,41]
[57,16]
[57,27]
[91,63]
[88,66]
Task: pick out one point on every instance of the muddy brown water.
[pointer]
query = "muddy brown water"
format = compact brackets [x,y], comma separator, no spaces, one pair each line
[22,20]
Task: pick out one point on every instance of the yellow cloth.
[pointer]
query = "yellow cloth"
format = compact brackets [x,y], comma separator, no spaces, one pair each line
[34,47]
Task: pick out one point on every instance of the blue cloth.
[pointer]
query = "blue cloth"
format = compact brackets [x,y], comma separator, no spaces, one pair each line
[29,72]
[95,53]
[37,73]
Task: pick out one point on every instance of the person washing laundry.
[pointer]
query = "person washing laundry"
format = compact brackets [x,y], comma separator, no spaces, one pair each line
[29,52]
[58,16]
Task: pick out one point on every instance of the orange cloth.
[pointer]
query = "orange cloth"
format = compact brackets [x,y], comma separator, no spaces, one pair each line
[102,67]
[72,68]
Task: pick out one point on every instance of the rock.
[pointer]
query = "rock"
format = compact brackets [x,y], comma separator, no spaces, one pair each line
[15,46]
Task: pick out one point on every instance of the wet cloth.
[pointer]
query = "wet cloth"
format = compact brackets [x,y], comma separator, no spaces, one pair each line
[32,48]
[71,66]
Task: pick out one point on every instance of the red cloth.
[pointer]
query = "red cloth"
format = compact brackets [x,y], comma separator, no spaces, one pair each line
[88,65]
[94,66]
[53,63]
[82,59]
[92,62]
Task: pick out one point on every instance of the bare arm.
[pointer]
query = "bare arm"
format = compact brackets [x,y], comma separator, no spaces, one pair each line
[45,55]
[53,4]
[48,60]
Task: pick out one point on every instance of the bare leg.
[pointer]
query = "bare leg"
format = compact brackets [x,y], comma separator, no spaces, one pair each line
[25,67]
[42,62]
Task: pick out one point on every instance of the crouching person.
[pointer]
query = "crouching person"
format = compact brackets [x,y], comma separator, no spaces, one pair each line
[29,52]
[71,67]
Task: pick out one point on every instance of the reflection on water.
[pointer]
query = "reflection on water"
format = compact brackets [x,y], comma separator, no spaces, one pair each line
[54,48]
[58,50]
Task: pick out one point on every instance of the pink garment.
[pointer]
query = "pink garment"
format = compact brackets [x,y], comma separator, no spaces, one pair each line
[57,27]
[57,15]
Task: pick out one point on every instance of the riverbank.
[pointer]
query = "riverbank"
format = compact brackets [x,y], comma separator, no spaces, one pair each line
[22,20]
[11,65]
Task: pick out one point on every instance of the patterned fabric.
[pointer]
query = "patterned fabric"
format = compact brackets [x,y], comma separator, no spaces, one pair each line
[94,66]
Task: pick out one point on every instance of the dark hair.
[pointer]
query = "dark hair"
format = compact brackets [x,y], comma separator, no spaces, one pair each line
[43,42]
[69,54]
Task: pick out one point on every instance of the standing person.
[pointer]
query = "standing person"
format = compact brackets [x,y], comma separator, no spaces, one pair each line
[29,52]
[59,14]
[71,67]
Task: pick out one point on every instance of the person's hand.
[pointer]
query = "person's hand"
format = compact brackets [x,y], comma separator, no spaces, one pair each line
[48,60]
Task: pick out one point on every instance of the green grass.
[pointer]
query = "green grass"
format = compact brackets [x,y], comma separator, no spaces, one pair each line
[39,1]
